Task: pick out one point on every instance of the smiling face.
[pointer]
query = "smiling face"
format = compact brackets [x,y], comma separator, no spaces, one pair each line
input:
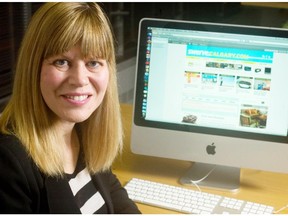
[72,86]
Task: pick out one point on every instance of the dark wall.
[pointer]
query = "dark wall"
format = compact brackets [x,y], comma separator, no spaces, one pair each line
[125,17]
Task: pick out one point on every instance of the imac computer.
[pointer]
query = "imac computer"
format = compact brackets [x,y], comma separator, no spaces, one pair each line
[213,94]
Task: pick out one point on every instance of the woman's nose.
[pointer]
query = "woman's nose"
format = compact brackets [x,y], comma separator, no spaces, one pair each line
[78,75]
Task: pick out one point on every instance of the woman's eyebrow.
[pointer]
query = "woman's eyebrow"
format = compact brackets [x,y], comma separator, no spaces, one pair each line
[62,55]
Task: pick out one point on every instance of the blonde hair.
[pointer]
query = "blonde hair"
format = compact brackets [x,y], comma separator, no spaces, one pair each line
[54,29]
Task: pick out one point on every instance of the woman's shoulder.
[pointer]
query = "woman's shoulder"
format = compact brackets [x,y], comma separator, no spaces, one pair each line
[12,144]
[8,137]
[21,182]
[15,158]
[13,152]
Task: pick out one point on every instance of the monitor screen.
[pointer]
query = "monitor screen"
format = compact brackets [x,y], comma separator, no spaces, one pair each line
[212,93]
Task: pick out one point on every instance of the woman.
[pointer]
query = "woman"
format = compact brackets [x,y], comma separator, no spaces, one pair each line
[61,130]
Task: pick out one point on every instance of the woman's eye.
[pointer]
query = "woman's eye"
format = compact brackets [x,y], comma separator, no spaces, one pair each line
[93,64]
[61,62]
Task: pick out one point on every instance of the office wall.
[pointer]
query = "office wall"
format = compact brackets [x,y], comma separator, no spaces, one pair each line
[126,78]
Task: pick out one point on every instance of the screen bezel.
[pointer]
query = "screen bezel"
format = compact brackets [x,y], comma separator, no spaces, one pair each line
[199,26]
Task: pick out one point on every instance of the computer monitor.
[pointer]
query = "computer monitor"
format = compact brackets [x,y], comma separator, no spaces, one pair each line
[213,94]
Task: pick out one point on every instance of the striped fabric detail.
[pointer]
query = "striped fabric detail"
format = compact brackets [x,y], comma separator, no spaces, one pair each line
[87,197]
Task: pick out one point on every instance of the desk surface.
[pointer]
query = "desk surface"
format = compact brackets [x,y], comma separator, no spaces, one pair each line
[256,186]
[279,5]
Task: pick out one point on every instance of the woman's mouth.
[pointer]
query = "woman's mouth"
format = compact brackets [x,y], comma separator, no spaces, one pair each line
[77,98]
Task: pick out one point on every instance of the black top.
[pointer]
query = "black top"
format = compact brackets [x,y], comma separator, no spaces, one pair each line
[25,189]
[87,197]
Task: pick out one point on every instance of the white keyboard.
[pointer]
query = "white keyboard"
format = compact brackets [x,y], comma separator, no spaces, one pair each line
[190,201]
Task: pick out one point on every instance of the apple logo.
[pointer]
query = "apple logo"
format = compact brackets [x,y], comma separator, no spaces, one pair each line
[210,149]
